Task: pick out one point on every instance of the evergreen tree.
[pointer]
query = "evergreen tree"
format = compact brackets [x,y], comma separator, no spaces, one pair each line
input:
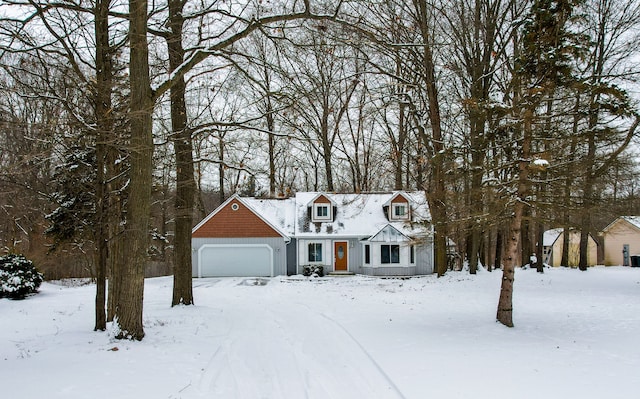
[544,63]
[74,195]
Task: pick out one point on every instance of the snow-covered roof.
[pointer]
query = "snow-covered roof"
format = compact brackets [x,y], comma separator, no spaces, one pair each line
[550,236]
[278,212]
[361,215]
[356,215]
[634,220]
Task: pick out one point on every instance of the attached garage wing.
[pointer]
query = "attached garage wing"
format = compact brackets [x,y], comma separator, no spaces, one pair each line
[235,260]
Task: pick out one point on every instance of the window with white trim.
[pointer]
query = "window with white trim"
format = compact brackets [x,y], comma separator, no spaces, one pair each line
[389,254]
[321,212]
[314,252]
[400,211]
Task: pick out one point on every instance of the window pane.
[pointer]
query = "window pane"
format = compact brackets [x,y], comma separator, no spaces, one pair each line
[367,254]
[384,254]
[315,252]
[395,253]
[412,254]
[322,211]
[400,210]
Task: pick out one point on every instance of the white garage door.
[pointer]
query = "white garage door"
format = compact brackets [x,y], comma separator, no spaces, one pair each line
[235,261]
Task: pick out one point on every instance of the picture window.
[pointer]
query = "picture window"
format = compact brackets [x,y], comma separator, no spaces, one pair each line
[389,254]
[315,252]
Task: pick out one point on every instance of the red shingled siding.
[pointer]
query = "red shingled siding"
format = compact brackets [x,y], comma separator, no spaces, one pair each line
[399,199]
[241,223]
[322,200]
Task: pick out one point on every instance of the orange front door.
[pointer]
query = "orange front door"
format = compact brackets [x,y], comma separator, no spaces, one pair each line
[340,255]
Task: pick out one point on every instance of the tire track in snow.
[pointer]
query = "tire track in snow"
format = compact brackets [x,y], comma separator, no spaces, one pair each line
[306,354]
[245,366]
[330,356]
[367,354]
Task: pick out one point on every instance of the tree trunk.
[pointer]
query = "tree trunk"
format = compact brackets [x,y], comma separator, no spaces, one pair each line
[585,220]
[568,184]
[221,167]
[540,247]
[271,141]
[497,265]
[436,192]
[505,303]
[116,257]
[103,110]
[477,173]
[327,152]
[399,150]
[525,237]
[129,307]
[183,147]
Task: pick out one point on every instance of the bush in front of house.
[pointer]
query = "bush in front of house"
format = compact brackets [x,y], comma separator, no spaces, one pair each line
[313,270]
[18,277]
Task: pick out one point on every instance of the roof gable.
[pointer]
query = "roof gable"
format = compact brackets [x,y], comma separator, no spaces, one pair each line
[398,208]
[550,236]
[321,209]
[398,198]
[388,234]
[321,198]
[632,221]
[235,219]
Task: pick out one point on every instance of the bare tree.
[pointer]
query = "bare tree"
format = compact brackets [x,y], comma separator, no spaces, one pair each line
[614,26]
[478,28]
[323,81]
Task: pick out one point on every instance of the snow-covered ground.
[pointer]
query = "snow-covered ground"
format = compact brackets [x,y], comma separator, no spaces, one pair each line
[577,335]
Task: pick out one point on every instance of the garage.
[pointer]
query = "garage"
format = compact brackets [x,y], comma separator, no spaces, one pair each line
[239,260]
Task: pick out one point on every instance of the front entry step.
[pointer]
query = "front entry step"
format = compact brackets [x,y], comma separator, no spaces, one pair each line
[341,274]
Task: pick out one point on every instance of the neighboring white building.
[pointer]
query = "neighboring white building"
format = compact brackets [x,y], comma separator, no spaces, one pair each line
[554,243]
[621,240]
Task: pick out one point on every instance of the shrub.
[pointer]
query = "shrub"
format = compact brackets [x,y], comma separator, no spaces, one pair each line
[18,277]
[313,270]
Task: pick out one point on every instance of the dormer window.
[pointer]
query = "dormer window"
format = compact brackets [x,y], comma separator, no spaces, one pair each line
[322,212]
[398,208]
[400,211]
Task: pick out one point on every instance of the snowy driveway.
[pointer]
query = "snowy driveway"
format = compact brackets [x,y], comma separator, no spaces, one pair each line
[288,350]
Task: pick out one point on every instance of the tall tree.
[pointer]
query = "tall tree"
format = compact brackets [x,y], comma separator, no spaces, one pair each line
[435,140]
[103,106]
[324,77]
[143,98]
[545,62]
[477,27]
[183,147]
[614,25]
[128,312]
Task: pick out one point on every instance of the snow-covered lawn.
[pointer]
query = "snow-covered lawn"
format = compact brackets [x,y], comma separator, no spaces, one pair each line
[577,335]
